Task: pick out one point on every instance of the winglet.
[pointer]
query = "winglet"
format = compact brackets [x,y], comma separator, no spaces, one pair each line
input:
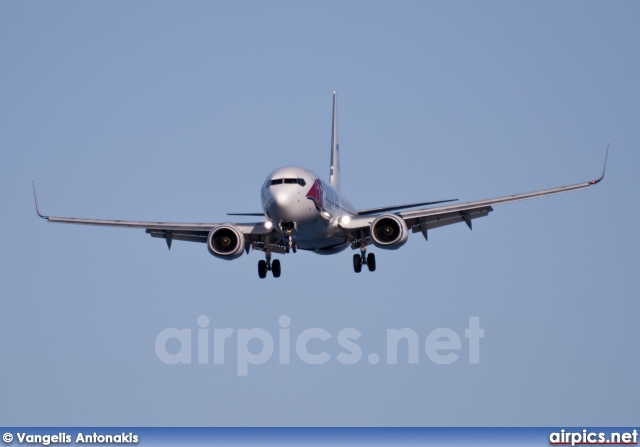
[593,182]
[36,200]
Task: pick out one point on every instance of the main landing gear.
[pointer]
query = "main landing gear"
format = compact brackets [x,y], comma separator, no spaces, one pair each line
[364,259]
[265,266]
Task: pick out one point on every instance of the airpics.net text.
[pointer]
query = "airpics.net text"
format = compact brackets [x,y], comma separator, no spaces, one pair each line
[256,346]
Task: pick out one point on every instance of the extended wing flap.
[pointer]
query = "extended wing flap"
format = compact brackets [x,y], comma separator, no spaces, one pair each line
[421,224]
[179,236]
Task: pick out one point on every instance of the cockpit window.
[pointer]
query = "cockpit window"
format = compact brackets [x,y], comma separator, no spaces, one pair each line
[279,181]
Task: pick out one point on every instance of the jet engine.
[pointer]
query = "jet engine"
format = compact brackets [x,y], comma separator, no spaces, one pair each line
[226,242]
[389,232]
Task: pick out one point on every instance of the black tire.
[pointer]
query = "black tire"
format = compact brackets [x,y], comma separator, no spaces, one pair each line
[357,263]
[275,268]
[262,269]
[371,262]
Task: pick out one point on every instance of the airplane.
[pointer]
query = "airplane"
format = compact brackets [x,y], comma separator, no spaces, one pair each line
[303,212]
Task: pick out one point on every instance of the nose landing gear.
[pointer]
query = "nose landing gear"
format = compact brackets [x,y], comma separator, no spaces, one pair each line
[292,245]
[278,246]
[288,228]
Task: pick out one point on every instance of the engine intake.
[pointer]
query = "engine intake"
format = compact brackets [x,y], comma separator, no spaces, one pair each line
[226,242]
[389,232]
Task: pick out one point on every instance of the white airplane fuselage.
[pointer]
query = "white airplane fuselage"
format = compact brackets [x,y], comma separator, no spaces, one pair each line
[300,204]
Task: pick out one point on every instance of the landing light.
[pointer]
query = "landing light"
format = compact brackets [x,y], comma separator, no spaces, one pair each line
[326,215]
[344,220]
[268,225]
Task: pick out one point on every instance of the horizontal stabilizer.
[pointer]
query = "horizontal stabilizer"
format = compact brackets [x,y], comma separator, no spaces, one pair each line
[399,207]
[245,214]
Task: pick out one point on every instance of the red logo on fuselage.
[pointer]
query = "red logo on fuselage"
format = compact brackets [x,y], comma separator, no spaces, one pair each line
[315,194]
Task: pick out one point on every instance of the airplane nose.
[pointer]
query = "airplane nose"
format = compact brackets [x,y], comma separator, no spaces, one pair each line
[286,206]
[282,200]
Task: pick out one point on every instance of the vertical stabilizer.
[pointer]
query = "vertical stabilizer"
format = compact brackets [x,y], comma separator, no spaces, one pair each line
[334,176]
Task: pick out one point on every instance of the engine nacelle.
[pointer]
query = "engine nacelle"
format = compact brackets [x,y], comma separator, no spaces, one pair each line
[389,232]
[226,242]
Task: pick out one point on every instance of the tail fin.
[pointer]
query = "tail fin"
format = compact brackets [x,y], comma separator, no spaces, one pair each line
[334,176]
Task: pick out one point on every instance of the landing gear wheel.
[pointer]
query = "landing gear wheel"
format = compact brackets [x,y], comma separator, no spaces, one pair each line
[371,262]
[357,263]
[275,268]
[262,269]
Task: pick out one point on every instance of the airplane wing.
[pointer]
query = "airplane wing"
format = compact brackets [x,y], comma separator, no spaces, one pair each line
[425,219]
[170,231]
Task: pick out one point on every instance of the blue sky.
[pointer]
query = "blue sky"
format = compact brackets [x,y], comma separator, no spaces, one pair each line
[178,110]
